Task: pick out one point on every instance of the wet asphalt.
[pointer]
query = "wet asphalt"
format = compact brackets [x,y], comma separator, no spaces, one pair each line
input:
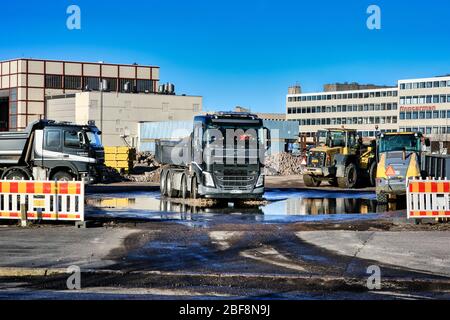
[145,247]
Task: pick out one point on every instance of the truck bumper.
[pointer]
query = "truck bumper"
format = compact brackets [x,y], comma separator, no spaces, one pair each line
[393,187]
[213,193]
[320,172]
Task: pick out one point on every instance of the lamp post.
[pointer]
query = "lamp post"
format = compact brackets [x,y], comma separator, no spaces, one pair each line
[103,87]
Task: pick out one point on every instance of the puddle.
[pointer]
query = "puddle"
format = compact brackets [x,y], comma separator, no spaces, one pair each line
[290,205]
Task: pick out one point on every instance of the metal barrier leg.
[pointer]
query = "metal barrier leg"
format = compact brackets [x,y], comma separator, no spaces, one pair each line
[23,215]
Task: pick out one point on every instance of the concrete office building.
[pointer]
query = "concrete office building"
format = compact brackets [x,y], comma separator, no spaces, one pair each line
[356,109]
[115,96]
[122,112]
[413,105]
[25,84]
[425,106]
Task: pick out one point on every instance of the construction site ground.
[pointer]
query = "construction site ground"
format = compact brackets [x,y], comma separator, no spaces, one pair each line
[301,244]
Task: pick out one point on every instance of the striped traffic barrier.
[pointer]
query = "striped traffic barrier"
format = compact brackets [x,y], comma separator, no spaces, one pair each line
[43,200]
[428,198]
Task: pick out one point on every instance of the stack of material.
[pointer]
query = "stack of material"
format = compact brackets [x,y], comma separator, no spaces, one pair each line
[149,176]
[120,158]
[283,164]
[146,158]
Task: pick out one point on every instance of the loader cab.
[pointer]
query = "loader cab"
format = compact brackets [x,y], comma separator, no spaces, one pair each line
[338,138]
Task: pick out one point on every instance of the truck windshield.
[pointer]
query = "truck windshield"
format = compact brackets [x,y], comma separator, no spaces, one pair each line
[247,136]
[399,143]
[93,138]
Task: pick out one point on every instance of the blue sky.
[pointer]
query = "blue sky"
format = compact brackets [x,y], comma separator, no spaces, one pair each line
[240,52]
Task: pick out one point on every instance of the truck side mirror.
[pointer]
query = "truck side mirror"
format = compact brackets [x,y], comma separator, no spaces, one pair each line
[269,140]
[427,142]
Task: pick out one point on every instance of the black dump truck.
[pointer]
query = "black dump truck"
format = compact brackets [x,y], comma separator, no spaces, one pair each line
[51,150]
[222,158]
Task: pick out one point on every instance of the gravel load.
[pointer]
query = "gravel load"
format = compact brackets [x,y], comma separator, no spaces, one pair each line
[283,164]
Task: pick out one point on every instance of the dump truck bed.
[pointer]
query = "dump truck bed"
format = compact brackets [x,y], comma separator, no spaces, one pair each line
[173,152]
[12,146]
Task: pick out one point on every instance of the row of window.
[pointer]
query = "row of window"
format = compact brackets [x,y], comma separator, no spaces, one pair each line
[94,84]
[360,133]
[427,130]
[338,96]
[418,115]
[424,85]
[443,98]
[352,120]
[344,108]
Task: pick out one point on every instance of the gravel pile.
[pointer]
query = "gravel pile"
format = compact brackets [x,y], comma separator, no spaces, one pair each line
[283,164]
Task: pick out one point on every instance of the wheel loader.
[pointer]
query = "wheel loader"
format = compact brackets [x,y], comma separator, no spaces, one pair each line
[400,157]
[341,159]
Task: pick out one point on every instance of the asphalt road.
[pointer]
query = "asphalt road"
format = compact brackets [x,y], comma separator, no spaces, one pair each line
[227,258]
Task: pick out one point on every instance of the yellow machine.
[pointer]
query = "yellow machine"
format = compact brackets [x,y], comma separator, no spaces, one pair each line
[399,158]
[341,159]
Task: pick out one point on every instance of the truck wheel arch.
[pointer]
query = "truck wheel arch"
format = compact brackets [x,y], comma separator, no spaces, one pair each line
[24,171]
[72,171]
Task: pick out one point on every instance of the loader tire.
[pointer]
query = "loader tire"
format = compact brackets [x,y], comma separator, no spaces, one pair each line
[310,181]
[382,197]
[350,178]
[373,174]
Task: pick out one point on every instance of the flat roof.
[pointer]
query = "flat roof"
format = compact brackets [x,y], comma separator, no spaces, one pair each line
[83,62]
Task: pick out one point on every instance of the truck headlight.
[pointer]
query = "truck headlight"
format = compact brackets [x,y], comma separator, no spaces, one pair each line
[260,182]
[209,181]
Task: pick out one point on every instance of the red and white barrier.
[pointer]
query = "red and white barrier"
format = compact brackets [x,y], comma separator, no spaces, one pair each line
[428,199]
[43,200]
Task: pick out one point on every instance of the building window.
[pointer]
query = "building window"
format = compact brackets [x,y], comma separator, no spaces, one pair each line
[144,86]
[126,85]
[72,83]
[92,83]
[111,84]
[53,82]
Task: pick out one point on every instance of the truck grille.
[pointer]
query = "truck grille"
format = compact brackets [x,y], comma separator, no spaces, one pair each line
[245,183]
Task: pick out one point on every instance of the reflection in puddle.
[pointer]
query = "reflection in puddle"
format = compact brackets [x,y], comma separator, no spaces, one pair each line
[280,204]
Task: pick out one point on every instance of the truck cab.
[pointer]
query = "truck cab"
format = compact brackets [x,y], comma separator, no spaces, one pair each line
[222,159]
[399,156]
[52,150]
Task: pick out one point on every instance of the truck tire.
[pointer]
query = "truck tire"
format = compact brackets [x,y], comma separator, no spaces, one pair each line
[382,197]
[183,187]
[62,176]
[163,183]
[16,174]
[171,192]
[194,188]
[373,174]
[310,181]
[350,178]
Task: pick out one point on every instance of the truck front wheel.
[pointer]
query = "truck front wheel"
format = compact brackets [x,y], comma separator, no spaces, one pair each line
[194,188]
[183,187]
[310,181]
[62,176]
